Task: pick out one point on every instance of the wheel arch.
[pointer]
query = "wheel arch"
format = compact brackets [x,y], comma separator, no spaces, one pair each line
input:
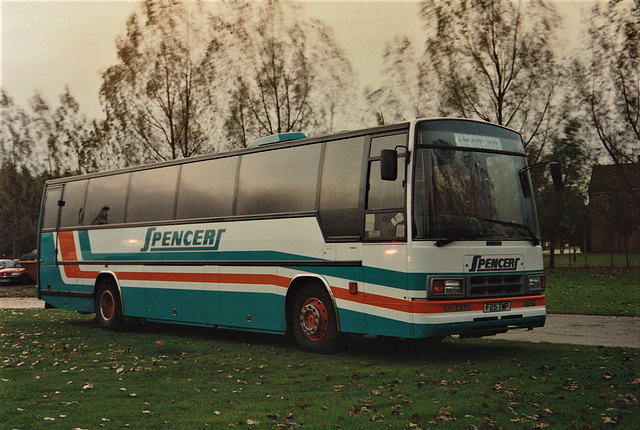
[109,275]
[297,284]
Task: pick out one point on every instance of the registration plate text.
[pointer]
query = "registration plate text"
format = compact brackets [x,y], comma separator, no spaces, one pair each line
[497,306]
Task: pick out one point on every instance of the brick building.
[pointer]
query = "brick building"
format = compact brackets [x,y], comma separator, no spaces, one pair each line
[614,207]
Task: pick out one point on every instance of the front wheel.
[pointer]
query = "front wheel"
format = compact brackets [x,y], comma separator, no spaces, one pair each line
[313,320]
[108,306]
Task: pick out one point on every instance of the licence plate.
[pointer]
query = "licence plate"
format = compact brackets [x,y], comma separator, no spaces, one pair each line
[497,306]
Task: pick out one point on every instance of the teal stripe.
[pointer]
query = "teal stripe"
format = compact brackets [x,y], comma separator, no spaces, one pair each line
[47,249]
[372,275]
[387,278]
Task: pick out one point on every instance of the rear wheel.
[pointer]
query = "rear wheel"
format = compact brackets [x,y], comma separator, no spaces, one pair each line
[108,306]
[313,320]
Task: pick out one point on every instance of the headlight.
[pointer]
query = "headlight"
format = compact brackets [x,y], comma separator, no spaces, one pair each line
[536,283]
[447,287]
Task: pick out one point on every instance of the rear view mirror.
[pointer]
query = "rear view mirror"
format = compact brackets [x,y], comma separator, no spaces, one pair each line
[525,183]
[388,165]
[556,175]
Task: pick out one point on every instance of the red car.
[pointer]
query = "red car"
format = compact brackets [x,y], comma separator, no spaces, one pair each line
[11,272]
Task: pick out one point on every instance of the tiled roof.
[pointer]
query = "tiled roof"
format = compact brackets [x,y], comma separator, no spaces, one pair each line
[612,177]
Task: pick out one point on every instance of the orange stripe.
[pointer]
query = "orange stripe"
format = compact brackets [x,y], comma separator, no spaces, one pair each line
[376,300]
[67,246]
[68,252]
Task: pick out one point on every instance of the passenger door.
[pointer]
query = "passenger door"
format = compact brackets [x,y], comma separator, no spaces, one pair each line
[385,246]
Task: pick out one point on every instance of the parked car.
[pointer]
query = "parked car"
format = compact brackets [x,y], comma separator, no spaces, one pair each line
[30,256]
[30,263]
[11,272]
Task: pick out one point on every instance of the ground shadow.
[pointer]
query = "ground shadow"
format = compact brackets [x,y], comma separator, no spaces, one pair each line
[363,348]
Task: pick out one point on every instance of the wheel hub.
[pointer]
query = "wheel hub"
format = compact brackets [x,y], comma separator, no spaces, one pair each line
[313,319]
[107,305]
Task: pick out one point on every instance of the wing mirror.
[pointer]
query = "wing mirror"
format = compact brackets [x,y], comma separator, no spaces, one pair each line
[388,165]
[556,176]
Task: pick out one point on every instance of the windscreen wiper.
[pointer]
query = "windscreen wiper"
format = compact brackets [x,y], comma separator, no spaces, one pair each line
[470,236]
[533,238]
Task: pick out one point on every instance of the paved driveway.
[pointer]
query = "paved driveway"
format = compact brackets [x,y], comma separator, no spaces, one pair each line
[582,330]
[20,303]
[573,329]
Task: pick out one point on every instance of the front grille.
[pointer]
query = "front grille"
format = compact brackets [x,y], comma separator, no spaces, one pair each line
[495,286]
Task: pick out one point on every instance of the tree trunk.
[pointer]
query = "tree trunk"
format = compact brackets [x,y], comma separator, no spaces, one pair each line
[552,255]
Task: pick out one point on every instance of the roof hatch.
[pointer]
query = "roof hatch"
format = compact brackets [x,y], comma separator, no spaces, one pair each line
[276,138]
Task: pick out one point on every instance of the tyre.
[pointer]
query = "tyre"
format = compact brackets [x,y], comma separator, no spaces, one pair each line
[108,306]
[313,320]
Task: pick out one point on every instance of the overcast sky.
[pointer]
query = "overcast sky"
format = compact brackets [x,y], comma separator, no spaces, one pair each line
[49,44]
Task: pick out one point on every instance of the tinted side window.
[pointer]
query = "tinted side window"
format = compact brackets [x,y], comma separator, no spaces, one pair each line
[207,188]
[340,192]
[278,181]
[106,197]
[72,213]
[386,194]
[387,142]
[152,194]
[50,215]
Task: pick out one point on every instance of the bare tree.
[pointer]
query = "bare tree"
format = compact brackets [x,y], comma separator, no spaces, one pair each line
[494,60]
[43,134]
[609,83]
[18,211]
[16,146]
[74,151]
[162,92]
[289,74]
[408,90]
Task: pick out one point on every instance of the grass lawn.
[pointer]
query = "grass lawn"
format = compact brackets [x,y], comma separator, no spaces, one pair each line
[593,292]
[17,291]
[59,371]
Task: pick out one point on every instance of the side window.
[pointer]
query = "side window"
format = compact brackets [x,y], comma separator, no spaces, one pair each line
[386,194]
[341,196]
[73,195]
[152,194]
[207,188]
[50,216]
[106,198]
[385,218]
[279,181]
